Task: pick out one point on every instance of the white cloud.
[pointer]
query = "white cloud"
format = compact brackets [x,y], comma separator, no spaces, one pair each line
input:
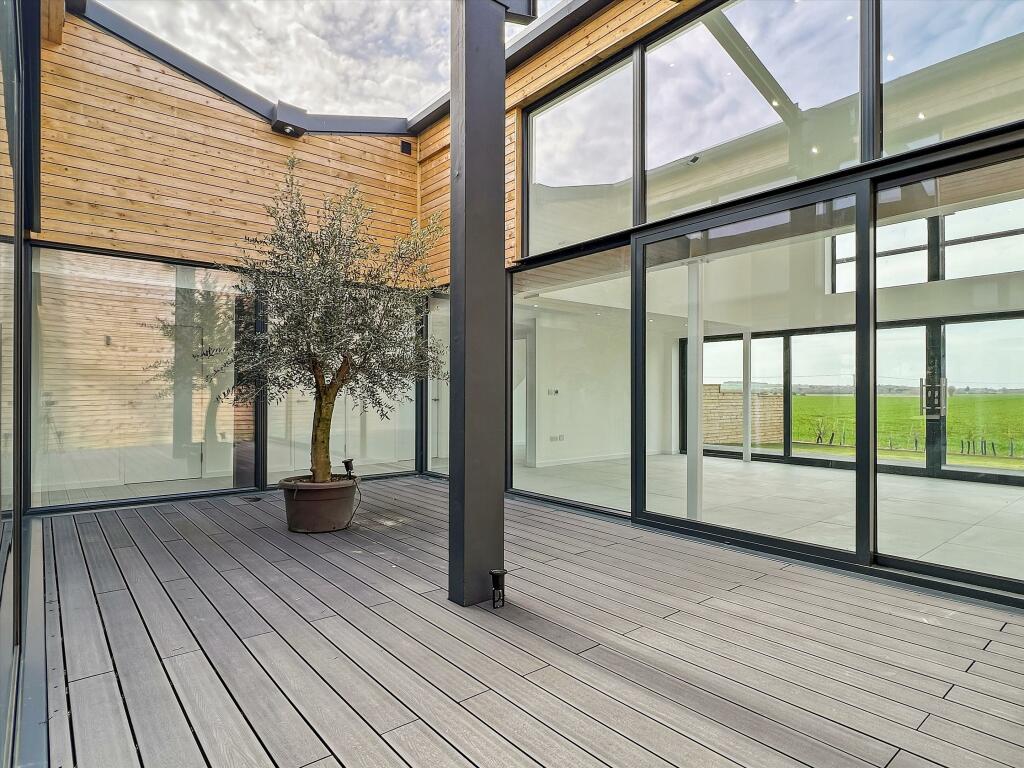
[372,57]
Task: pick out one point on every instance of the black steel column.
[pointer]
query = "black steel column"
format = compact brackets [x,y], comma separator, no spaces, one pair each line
[478,294]
[420,399]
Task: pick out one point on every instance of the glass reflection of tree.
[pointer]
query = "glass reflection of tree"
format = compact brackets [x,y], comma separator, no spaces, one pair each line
[202,330]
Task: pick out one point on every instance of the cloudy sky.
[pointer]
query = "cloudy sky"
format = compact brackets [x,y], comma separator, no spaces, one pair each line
[371,57]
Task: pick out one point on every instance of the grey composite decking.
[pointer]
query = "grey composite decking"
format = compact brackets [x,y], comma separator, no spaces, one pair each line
[203,633]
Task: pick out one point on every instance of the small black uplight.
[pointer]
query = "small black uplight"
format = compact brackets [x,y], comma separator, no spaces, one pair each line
[498,587]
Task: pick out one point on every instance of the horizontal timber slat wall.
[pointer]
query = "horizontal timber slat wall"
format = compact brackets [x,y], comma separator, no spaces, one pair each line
[137,157]
[606,34]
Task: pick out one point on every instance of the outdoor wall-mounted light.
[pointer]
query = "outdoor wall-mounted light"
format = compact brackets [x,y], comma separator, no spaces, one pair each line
[287,119]
[498,587]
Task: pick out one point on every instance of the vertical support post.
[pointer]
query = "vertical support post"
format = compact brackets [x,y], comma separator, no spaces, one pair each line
[867,495]
[420,397]
[695,390]
[747,398]
[479,441]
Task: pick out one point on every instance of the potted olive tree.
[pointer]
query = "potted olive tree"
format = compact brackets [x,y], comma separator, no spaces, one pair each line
[338,313]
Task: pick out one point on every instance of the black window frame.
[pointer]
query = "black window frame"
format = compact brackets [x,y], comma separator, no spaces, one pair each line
[872,175]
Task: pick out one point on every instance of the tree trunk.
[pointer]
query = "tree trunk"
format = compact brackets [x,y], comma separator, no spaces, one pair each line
[210,437]
[320,444]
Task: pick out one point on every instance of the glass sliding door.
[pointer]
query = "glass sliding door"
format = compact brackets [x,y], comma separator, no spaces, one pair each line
[748,339]
[571,380]
[951,376]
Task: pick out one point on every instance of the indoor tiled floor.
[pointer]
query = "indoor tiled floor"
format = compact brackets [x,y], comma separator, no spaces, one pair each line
[976,526]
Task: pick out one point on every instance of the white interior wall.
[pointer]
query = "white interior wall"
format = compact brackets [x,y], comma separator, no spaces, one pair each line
[582,386]
[582,366]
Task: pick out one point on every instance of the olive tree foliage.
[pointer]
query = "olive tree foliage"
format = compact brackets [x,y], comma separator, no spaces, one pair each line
[341,313]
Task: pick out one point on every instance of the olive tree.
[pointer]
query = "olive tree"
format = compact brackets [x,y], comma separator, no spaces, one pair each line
[338,312]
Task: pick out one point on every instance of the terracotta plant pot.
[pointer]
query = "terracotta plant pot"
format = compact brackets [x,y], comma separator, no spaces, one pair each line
[319,507]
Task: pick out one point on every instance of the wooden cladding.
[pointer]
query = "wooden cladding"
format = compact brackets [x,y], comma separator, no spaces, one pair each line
[52,17]
[137,157]
[598,39]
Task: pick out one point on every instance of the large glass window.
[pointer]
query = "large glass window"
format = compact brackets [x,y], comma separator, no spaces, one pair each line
[129,380]
[581,163]
[900,362]
[823,371]
[767,389]
[754,298]
[9,531]
[951,375]
[949,69]
[754,94]
[723,394]
[378,446]
[571,380]
[438,395]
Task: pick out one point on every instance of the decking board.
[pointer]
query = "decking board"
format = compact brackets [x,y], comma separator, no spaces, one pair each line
[204,633]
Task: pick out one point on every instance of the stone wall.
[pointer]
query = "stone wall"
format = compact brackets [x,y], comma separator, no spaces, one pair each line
[723,416]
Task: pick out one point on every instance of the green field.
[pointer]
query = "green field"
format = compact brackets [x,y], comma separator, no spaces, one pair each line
[980,428]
